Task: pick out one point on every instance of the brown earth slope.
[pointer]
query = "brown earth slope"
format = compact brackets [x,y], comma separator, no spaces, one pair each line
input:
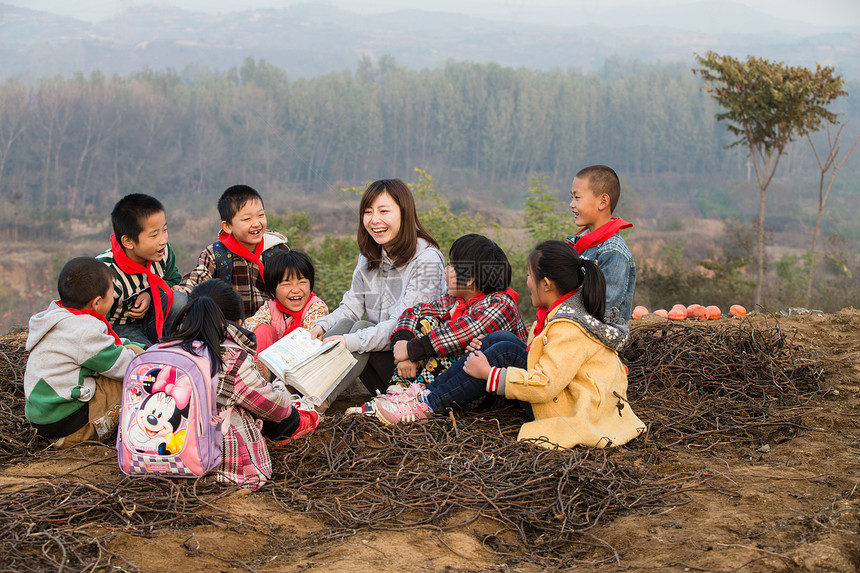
[780,494]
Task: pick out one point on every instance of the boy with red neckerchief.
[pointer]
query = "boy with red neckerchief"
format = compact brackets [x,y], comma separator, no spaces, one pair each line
[73,380]
[594,196]
[145,272]
[243,246]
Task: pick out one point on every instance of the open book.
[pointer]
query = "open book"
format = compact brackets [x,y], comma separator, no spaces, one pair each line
[309,366]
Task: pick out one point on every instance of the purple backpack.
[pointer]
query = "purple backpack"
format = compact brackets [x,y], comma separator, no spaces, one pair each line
[169,423]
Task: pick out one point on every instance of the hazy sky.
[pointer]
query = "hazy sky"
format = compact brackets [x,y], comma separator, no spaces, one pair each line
[816,12]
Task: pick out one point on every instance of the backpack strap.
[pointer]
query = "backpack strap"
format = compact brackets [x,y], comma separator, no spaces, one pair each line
[223,261]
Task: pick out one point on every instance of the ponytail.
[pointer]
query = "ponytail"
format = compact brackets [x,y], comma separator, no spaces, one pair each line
[560,263]
[201,321]
[593,288]
[204,319]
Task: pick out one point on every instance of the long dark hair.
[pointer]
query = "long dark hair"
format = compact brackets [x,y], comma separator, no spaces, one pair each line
[560,263]
[402,248]
[204,319]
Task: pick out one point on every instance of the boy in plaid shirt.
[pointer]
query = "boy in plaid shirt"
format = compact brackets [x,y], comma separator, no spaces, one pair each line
[243,248]
[430,337]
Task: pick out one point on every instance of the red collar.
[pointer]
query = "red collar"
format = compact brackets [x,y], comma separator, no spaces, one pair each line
[237,248]
[544,312]
[296,315]
[598,235]
[80,311]
[462,305]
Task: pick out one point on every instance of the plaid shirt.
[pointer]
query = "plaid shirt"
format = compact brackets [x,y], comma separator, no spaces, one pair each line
[247,397]
[496,311]
[246,277]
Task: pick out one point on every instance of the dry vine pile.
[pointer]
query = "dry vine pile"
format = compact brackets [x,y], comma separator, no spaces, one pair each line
[67,525]
[697,386]
[700,385]
[444,474]
[17,437]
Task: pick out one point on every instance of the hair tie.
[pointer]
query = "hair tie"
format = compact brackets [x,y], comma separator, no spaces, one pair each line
[582,268]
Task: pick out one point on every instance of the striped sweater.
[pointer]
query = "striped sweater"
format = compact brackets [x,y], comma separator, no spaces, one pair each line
[127,286]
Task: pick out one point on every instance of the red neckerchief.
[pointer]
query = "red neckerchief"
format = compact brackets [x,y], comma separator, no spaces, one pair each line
[543,313]
[156,283]
[460,309]
[237,248]
[297,315]
[599,235]
[462,305]
[93,313]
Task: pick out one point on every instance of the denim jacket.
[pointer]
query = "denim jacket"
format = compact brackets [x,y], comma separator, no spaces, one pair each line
[614,259]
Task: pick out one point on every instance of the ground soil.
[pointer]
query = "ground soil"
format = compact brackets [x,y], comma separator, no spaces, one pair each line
[792,506]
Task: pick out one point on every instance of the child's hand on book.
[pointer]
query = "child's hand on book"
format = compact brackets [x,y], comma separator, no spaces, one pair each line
[335,338]
[261,368]
[317,332]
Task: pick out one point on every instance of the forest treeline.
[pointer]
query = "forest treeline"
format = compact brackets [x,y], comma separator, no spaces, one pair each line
[71,143]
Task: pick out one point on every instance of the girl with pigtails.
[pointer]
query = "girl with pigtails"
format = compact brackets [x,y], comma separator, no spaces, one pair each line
[569,373]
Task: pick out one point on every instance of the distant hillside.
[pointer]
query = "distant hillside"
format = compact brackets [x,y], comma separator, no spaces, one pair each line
[311,40]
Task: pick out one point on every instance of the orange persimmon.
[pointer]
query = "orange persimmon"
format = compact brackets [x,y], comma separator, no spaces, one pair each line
[677,314]
[714,312]
[697,312]
[639,312]
[662,312]
[737,310]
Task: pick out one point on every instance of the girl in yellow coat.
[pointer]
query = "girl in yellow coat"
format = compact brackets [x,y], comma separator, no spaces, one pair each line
[569,373]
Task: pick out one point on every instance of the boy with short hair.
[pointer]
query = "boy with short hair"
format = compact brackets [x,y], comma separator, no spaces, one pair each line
[243,246]
[145,270]
[594,196]
[73,380]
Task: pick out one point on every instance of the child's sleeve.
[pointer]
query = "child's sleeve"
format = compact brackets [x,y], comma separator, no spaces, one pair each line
[101,355]
[262,316]
[171,273]
[203,271]
[563,354]
[256,395]
[615,269]
[316,311]
[407,324]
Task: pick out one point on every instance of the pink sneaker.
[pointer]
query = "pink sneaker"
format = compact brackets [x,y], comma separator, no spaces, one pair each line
[402,408]
[397,393]
[308,422]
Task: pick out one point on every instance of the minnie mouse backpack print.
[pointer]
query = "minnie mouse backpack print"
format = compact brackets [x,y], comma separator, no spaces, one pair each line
[169,423]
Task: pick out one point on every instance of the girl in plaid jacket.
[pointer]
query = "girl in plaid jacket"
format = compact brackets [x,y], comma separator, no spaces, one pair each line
[431,337]
[253,407]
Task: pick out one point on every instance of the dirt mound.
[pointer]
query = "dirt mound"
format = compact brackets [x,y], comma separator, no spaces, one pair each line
[749,464]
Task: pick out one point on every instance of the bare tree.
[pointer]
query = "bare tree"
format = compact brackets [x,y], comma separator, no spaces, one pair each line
[829,162]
